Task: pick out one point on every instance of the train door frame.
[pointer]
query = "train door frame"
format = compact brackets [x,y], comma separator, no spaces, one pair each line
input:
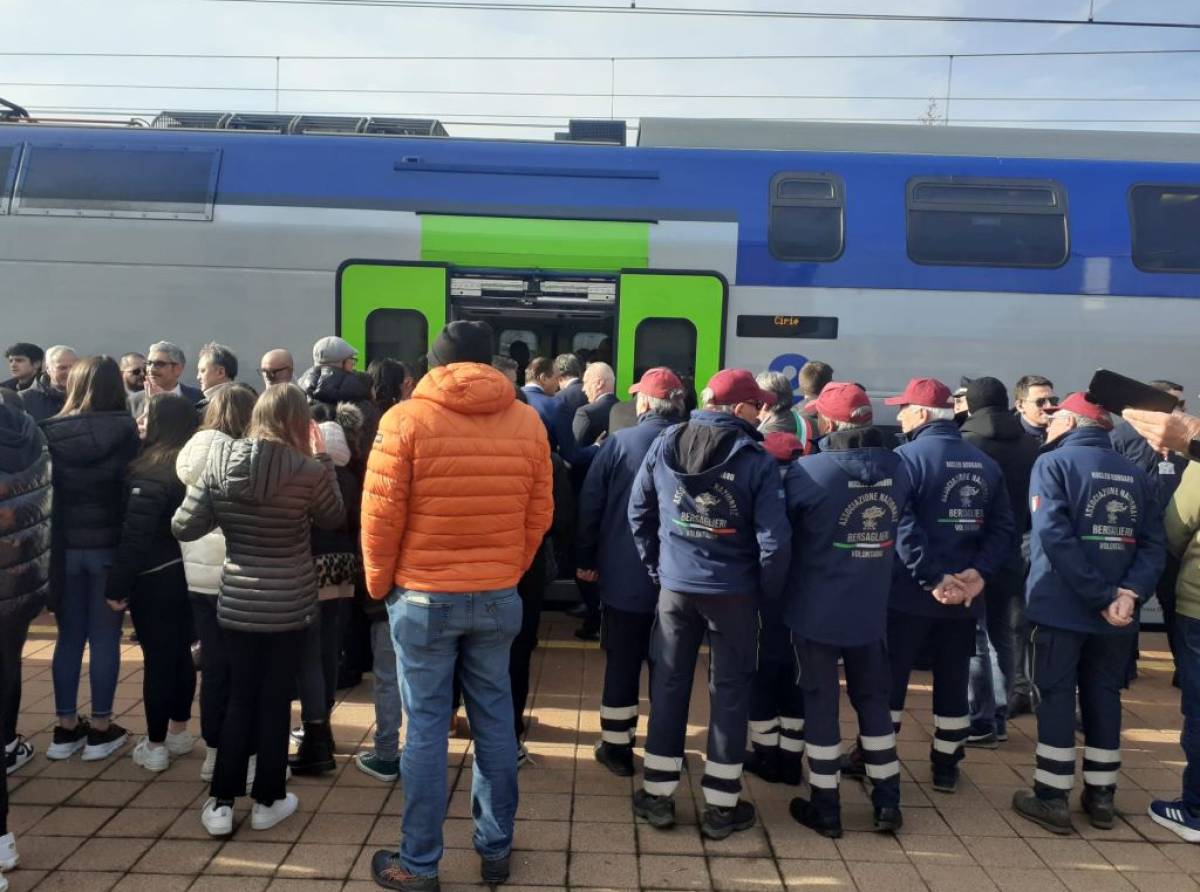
[426,288]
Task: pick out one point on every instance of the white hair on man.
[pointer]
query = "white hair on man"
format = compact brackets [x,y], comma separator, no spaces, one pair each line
[59,350]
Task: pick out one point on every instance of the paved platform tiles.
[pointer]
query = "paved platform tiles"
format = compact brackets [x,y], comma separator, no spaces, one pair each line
[96,827]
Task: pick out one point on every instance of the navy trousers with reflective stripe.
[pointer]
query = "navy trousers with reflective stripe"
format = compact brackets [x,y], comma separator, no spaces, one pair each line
[867,677]
[953,644]
[625,640]
[1065,662]
[776,702]
[682,623]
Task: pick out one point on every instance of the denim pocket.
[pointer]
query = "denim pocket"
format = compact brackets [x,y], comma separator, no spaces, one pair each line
[422,620]
[507,611]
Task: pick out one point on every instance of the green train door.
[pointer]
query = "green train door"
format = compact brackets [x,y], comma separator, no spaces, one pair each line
[670,318]
[391,309]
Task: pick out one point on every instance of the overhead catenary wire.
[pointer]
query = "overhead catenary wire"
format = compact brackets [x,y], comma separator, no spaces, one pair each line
[632,8]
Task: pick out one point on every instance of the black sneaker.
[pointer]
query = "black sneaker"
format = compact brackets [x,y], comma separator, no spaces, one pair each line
[945,778]
[387,871]
[804,812]
[1019,704]
[1049,813]
[21,753]
[854,765]
[888,819]
[791,769]
[763,762]
[982,737]
[102,744]
[588,632]
[1099,806]
[719,823]
[494,871]
[66,742]
[659,811]
[616,758]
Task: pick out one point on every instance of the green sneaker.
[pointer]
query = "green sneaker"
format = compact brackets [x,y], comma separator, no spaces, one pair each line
[386,770]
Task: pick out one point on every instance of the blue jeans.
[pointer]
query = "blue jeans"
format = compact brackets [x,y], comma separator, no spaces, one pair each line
[432,631]
[389,713]
[1187,661]
[993,665]
[83,616]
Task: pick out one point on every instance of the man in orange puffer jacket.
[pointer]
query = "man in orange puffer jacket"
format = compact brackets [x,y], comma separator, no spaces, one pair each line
[458,495]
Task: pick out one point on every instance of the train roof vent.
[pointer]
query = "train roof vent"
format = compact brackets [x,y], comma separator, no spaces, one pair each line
[328,124]
[405,127]
[601,131]
[191,120]
[263,123]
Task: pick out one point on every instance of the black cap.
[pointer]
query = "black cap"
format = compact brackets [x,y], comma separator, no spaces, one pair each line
[462,342]
[985,392]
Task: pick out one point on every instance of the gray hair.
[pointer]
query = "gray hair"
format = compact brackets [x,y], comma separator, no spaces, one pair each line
[567,365]
[938,413]
[172,350]
[52,353]
[778,384]
[660,405]
[1080,420]
[706,400]
[604,372]
[219,354]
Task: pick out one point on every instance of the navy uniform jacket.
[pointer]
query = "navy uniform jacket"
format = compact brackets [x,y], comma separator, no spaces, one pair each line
[959,517]
[845,504]
[1166,473]
[1097,526]
[603,539]
[707,510]
[558,417]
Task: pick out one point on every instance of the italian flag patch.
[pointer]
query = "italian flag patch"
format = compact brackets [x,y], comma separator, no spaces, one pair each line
[1034,502]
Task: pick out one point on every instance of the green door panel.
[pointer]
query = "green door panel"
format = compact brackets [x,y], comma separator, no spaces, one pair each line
[365,288]
[519,243]
[699,298]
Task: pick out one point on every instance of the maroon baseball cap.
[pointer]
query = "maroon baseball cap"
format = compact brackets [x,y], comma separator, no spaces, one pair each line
[928,392]
[783,446]
[1081,405]
[660,383]
[843,401]
[733,386]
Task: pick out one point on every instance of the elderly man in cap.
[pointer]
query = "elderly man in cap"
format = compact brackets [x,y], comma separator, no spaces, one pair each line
[331,380]
[709,524]
[608,558]
[845,504]
[955,534]
[1096,552]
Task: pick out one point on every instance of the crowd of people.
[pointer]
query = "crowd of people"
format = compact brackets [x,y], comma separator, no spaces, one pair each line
[407,521]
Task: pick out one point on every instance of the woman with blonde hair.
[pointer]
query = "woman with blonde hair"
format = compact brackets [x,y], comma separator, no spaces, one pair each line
[264,492]
[92,441]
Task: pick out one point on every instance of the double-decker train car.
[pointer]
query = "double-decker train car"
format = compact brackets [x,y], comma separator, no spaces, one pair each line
[888,251]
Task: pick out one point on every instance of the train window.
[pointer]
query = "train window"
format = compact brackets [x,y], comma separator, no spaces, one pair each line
[807,221]
[1166,228]
[175,183]
[8,164]
[510,336]
[972,222]
[665,342]
[587,340]
[397,334]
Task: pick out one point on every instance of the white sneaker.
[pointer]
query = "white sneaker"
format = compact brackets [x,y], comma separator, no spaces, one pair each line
[20,752]
[210,764]
[217,821]
[180,744]
[264,817]
[8,852]
[151,758]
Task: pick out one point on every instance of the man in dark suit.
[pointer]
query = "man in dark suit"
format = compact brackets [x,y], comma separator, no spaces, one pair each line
[569,372]
[164,366]
[591,420]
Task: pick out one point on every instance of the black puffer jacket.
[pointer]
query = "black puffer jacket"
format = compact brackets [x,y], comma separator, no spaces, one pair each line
[264,496]
[91,454]
[147,543]
[332,385]
[41,400]
[25,504]
[1000,434]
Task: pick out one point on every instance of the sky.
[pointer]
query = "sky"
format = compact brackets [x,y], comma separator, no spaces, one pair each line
[530,99]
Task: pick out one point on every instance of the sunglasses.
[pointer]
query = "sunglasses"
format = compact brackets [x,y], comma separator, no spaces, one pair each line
[1044,401]
[270,374]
